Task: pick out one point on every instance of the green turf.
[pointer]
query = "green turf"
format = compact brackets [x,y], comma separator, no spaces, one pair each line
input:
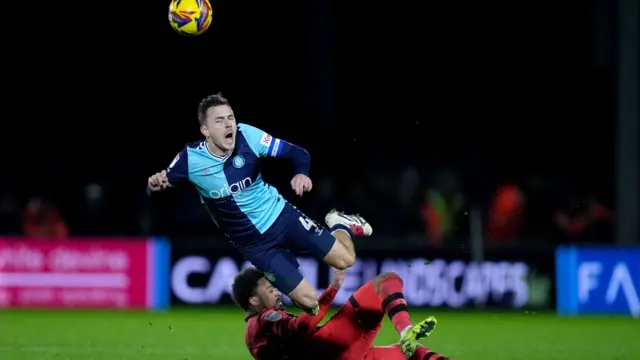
[214,334]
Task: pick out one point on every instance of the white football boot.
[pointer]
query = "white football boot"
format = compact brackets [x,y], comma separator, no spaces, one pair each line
[356,223]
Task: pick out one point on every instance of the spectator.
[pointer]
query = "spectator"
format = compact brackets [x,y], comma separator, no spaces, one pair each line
[585,219]
[42,220]
[506,215]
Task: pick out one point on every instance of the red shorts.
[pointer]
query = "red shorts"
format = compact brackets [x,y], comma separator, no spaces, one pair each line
[354,327]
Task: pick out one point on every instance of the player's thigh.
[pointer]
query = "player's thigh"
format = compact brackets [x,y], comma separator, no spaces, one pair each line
[305,236]
[361,347]
[350,335]
[361,314]
[368,307]
[341,330]
[280,267]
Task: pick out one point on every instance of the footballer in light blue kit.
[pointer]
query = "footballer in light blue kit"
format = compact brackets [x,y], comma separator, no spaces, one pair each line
[259,222]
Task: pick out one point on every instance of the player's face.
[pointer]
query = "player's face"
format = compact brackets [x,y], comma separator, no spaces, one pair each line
[221,127]
[268,295]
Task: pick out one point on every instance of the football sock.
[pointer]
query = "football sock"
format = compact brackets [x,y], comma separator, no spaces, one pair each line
[423,353]
[394,304]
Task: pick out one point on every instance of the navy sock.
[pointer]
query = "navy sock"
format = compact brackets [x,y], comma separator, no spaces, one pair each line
[343,228]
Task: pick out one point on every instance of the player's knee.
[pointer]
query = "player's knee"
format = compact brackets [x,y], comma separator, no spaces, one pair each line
[377,281]
[386,275]
[345,261]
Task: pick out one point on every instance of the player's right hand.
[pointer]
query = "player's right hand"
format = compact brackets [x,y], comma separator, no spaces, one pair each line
[159,181]
[338,278]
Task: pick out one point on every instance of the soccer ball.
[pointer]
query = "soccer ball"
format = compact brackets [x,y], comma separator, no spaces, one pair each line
[190,17]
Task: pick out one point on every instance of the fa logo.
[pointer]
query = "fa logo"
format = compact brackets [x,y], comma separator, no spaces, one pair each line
[238,162]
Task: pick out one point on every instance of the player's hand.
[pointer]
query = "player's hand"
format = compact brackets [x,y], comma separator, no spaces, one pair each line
[301,184]
[338,278]
[159,181]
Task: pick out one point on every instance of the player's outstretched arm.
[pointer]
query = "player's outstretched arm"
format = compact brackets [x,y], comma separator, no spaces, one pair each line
[298,155]
[285,325]
[301,160]
[308,322]
[175,174]
[264,145]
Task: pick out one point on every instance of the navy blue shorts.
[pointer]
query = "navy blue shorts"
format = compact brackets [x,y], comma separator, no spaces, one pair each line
[293,234]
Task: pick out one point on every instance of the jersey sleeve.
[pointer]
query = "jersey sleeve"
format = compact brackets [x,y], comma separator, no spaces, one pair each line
[178,170]
[260,141]
[265,145]
[278,322]
[309,322]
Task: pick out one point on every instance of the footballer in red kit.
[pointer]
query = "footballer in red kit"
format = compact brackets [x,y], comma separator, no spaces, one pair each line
[272,333]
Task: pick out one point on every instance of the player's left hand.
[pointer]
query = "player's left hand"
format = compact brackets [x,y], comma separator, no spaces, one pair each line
[301,184]
[338,278]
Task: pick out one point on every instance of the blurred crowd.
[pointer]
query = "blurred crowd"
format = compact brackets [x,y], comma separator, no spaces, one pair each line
[431,207]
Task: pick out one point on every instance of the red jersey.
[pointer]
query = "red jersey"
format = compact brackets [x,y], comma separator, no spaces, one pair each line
[274,334]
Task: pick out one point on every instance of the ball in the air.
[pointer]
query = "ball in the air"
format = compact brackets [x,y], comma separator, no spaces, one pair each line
[190,17]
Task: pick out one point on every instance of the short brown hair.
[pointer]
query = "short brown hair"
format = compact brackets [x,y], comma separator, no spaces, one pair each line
[209,102]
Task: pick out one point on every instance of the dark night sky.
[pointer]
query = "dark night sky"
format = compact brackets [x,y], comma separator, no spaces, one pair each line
[117,99]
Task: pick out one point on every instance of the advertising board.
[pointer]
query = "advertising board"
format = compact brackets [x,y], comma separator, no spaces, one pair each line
[204,276]
[598,280]
[84,273]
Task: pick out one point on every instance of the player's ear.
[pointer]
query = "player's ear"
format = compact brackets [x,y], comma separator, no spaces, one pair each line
[254,301]
[204,130]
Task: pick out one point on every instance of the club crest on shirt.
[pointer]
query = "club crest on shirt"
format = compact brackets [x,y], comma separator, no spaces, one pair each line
[269,276]
[238,162]
[272,315]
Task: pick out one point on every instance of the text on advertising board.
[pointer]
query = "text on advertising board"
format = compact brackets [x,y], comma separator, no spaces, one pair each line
[598,280]
[107,274]
[435,283]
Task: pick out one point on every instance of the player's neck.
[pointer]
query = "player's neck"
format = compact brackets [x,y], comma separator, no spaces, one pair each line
[253,311]
[216,151]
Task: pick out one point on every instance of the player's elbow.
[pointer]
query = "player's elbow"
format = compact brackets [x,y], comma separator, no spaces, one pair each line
[299,154]
[304,154]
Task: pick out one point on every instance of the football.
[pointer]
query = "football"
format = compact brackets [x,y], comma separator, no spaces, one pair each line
[190,17]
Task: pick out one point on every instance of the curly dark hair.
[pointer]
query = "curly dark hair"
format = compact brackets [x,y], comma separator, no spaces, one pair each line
[244,286]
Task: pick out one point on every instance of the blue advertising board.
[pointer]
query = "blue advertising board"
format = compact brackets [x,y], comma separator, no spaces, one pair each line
[598,280]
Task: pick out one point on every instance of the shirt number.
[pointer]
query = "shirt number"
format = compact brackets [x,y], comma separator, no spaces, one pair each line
[307,223]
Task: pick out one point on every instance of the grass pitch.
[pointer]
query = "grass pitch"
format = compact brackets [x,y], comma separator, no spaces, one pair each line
[218,333]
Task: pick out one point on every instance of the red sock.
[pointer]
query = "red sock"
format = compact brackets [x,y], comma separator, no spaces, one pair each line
[394,304]
[423,353]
